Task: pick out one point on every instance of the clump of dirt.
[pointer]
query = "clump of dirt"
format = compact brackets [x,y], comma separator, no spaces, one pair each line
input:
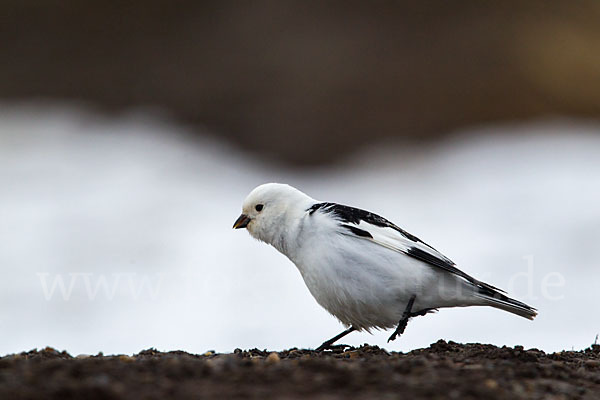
[443,370]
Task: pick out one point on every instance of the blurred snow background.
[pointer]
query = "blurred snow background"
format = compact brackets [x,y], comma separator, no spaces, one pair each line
[116,234]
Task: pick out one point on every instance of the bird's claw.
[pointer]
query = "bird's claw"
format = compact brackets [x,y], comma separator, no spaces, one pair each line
[326,346]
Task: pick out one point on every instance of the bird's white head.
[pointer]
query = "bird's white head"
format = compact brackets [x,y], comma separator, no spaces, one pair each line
[270,210]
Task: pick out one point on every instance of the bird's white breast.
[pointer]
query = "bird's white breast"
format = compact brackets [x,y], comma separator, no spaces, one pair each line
[362,284]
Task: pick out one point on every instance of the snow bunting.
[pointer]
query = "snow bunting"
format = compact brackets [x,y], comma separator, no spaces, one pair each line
[362,268]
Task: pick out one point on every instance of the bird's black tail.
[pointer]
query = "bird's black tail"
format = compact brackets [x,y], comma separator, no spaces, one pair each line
[494,298]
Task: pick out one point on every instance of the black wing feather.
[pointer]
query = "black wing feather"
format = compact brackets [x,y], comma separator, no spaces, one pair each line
[354,215]
[438,262]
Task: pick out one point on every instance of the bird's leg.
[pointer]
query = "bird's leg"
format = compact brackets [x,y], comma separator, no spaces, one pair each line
[327,344]
[404,320]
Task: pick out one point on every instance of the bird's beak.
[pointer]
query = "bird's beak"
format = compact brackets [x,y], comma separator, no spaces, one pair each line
[241,222]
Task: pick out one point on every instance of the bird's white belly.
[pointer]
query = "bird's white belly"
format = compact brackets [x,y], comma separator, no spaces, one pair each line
[365,286]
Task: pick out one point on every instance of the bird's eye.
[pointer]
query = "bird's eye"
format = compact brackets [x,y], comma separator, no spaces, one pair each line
[259,207]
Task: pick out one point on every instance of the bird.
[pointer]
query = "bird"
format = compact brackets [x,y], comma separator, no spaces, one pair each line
[363,269]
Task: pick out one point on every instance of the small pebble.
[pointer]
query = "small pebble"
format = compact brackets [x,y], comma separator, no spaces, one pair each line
[273,358]
[491,384]
[351,354]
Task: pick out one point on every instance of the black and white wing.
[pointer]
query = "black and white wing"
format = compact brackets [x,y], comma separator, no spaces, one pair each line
[366,225]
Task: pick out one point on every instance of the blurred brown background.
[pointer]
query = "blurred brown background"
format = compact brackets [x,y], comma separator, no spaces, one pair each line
[302,81]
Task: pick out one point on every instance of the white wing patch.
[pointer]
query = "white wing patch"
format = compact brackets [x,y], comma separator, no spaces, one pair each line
[394,240]
[368,226]
[401,241]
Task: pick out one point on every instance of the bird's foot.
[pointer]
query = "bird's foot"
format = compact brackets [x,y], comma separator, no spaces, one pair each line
[404,320]
[419,314]
[399,330]
[328,344]
[333,347]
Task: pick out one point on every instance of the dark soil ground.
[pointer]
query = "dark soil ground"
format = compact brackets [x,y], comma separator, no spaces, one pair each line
[444,370]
